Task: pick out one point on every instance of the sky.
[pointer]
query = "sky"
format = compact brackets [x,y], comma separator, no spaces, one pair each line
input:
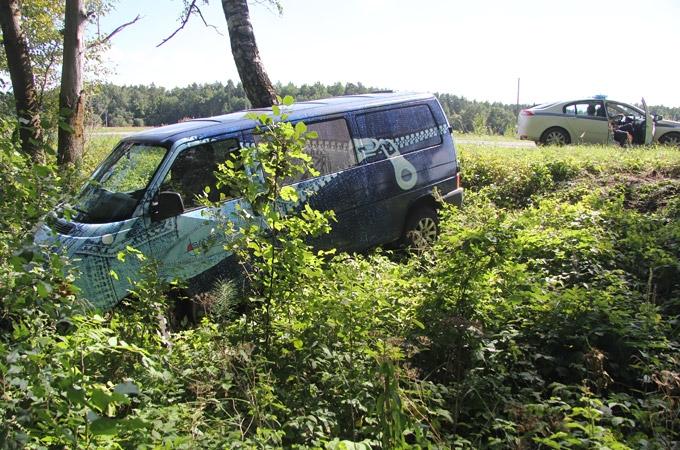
[478,49]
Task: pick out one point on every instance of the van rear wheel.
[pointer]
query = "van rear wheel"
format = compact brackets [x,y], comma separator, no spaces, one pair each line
[422,228]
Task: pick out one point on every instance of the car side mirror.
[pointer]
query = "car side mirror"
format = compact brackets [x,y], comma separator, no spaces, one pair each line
[657,118]
[166,204]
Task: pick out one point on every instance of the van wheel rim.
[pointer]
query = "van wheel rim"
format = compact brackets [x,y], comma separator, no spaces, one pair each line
[425,232]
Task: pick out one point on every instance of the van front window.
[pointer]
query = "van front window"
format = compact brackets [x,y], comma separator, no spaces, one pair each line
[114,191]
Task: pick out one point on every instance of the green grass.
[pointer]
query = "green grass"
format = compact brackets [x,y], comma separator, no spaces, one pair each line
[582,159]
[513,176]
[96,149]
[120,130]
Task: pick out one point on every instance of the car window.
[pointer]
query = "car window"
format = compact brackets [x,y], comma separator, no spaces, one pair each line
[590,108]
[194,169]
[614,109]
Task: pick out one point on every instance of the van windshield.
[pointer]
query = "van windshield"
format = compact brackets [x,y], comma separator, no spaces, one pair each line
[115,189]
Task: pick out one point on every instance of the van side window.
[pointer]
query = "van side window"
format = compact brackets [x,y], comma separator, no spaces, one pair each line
[333,150]
[194,169]
[409,128]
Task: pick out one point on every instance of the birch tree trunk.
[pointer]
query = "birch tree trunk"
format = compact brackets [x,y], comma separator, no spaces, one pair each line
[256,83]
[71,96]
[23,83]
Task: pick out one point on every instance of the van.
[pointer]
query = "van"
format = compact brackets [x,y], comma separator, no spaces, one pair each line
[380,158]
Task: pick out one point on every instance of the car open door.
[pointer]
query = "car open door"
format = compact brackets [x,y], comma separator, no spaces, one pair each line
[649,124]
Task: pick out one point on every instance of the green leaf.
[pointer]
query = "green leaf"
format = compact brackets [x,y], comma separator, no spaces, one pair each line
[288,100]
[76,395]
[289,194]
[300,128]
[44,289]
[41,170]
[104,426]
[298,344]
[100,399]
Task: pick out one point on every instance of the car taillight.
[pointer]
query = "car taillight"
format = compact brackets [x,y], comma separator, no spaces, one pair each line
[526,112]
[458,180]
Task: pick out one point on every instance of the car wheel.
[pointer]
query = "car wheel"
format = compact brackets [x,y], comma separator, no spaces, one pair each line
[670,139]
[422,228]
[555,136]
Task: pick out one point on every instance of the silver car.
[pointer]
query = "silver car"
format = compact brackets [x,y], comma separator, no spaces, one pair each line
[594,120]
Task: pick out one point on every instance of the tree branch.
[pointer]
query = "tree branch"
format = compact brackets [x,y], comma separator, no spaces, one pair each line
[114,32]
[185,20]
[191,9]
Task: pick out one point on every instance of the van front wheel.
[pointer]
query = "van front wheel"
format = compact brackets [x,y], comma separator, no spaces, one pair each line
[422,228]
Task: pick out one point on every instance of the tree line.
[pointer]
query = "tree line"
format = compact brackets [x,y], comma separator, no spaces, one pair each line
[140,105]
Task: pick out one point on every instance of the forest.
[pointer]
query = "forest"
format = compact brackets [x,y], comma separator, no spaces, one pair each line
[111,105]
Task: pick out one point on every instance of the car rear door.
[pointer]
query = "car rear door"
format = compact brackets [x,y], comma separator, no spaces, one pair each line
[587,122]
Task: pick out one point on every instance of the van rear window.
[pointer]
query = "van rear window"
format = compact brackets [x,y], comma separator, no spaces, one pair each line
[410,128]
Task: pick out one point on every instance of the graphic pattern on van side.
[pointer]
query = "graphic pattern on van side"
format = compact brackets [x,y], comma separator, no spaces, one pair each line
[94,250]
[404,172]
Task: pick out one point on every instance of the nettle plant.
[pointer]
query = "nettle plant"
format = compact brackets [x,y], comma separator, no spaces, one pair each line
[270,236]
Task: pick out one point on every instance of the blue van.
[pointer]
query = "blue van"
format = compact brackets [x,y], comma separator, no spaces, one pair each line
[380,158]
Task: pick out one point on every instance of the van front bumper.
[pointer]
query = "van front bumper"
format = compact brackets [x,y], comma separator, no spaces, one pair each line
[454,197]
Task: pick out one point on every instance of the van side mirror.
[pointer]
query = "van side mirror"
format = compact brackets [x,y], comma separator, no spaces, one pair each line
[657,117]
[166,204]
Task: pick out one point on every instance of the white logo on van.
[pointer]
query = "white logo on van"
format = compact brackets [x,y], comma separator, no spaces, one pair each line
[404,171]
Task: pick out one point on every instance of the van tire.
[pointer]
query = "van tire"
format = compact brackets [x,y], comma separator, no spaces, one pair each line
[421,228]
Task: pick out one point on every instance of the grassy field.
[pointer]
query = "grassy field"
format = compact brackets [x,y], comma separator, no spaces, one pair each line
[123,131]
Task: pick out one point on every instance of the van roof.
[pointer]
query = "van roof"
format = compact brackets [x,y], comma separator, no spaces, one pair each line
[236,121]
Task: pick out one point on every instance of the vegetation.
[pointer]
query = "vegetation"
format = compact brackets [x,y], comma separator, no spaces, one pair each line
[113,105]
[546,316]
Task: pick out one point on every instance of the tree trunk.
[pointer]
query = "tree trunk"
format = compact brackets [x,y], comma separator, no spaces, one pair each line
[23,84]
[256,83]
[71,96]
